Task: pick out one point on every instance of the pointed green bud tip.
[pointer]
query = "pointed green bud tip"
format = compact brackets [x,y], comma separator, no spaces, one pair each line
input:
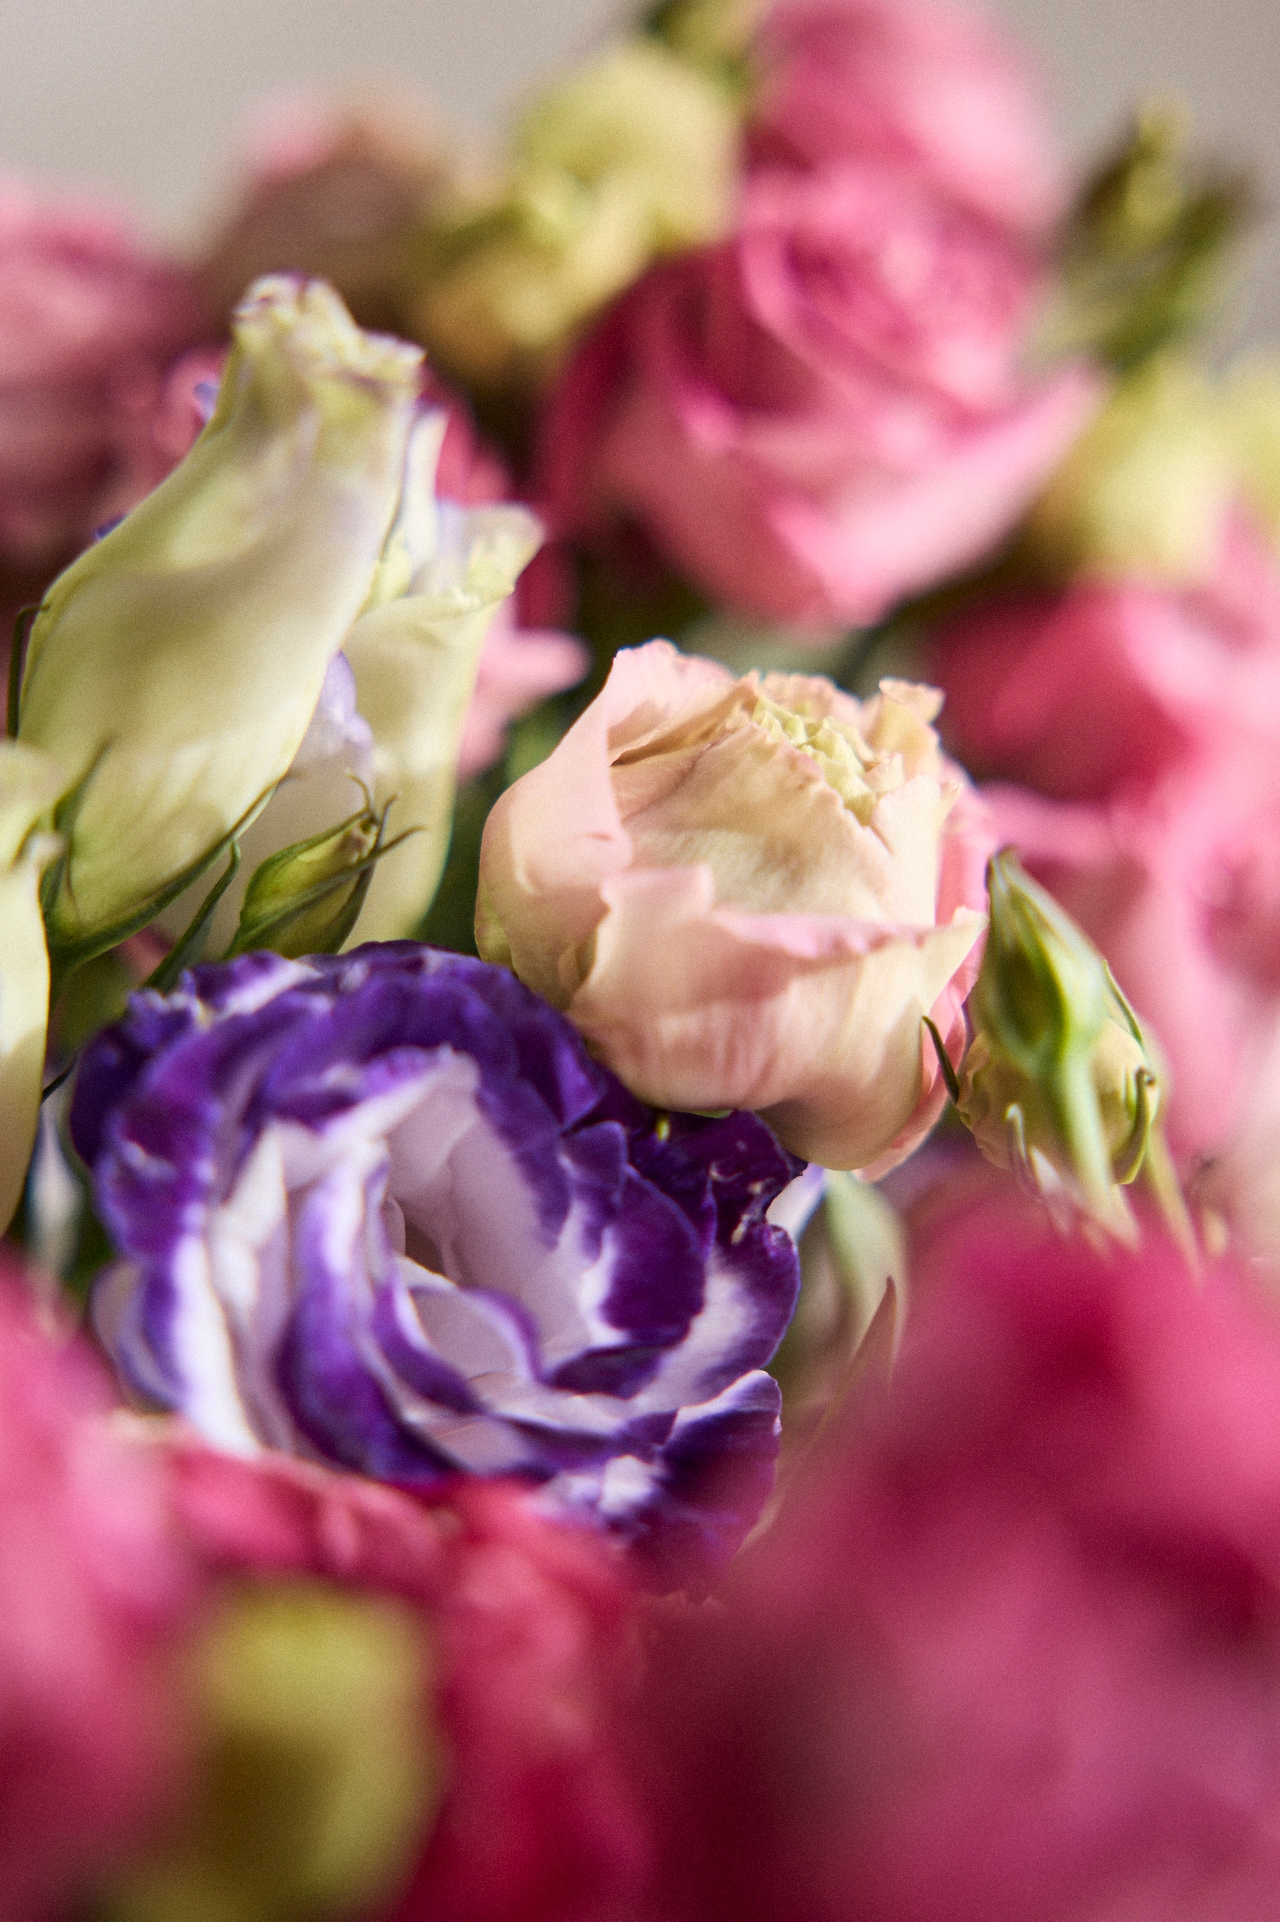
[1042,991]
[1058,1084]
[306,898]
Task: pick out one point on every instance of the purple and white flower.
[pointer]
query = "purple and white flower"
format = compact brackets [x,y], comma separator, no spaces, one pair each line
[383,1210]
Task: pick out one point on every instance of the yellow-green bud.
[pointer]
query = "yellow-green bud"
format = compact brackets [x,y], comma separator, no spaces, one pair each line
[1146,489]
[174,668]
[29,782]
[320,1769]
[1251,410]
[632,155]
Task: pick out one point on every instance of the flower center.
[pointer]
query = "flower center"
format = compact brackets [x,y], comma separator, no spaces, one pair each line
[858,772]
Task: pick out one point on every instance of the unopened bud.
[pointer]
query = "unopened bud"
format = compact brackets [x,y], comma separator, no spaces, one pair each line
[306,899]
[1059,1084]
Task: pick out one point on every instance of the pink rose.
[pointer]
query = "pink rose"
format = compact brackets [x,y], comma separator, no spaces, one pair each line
[532,1626]
[939,91]
[1106,686]
[823,414]
[747,894]
[1013,1651]
[94,1593]
[88,325]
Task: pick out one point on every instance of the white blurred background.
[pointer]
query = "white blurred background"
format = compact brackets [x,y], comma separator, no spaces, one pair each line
[145,97]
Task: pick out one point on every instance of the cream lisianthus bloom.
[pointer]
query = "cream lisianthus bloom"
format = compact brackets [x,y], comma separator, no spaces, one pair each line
[631,156]
[173,669]
[29,782]
[748,894]
[387,726]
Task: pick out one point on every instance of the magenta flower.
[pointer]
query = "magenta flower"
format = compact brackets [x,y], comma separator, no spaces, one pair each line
[532,1625]
[1014,1654]
[94,1593]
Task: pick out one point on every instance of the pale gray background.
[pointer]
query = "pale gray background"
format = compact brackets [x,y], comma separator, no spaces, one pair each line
[145,96]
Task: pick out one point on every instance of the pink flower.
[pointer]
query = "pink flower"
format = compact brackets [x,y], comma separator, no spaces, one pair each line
[1146,713]
[747,894]
[533,1628]
[1182,895]
[93,1594]
[936,90]
[1014,1651]
[88,324]
[1104,687]
[823,414]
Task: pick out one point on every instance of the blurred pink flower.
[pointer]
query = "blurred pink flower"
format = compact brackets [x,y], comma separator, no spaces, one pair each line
[89,323]
[1142,719]
[533,1628]
[747,894]
[938,90]
[94,1591]
[823,414]
[1013,1652]
[1103,687]
[1182,894]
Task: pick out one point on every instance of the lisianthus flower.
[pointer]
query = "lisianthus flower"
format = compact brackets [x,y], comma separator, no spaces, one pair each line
[183,669]
[749,893]
[383,1211]
[1012,1650]
[96,1593]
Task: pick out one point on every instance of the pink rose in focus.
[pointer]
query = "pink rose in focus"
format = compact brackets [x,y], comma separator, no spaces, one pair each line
[533,1628]
[936,90]
[747,894]
[1105,687]
[94,1592]
[88,325]
[823,414]
[1012,1654]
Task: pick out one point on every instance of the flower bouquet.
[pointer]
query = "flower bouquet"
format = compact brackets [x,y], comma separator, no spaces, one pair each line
[637,1010]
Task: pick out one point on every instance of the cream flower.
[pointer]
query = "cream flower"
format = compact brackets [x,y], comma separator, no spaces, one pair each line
[748,893]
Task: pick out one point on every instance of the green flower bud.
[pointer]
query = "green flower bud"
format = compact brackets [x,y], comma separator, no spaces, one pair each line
[305,900]
[174,668]
[1251,406]
[634,154]
[1058,1084]
[29,782]
[1146,490]
[320,1768]
[1145,248]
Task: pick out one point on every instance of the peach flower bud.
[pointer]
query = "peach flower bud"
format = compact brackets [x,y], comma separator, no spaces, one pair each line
[748,894]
